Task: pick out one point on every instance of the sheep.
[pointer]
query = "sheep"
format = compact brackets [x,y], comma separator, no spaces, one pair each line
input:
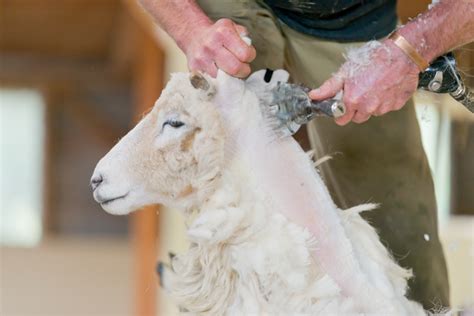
[265,236]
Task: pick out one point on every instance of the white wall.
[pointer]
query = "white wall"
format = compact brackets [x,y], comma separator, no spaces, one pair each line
[67,277]
[457,236]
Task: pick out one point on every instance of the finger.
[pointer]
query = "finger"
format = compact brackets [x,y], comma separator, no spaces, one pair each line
[371,105]
[388,107]
[226,61]
[228,34]
[328,89]
[360,117]
[352,106]
[245,53]
[236,45]
[365,107]
[211,69]
[377,113]
[346,118]
[203,65]
[241,30]
[399,105]
[380,111]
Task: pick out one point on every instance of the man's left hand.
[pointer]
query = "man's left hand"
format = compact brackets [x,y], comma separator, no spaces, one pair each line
[377,81]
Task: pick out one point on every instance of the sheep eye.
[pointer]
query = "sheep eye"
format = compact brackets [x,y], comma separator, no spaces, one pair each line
[173,123]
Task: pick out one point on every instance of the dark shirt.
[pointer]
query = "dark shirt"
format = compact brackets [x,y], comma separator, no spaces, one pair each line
[338,20]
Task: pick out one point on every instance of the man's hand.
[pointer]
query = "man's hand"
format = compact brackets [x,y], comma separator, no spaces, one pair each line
[220,46]
[379,81]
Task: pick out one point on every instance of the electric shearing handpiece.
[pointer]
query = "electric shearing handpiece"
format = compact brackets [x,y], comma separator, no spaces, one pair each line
[442,76]
[293,107]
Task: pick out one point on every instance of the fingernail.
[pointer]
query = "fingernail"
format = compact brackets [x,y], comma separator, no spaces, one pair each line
[314,92]
[339,122]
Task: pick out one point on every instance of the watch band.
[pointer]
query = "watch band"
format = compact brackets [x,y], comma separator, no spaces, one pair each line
[409,50]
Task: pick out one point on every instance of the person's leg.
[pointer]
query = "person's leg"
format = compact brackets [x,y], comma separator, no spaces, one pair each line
[379,161]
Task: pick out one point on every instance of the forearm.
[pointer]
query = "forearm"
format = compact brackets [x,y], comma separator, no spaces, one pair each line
[449,24]
[392,77]
[179,18]
[208,45]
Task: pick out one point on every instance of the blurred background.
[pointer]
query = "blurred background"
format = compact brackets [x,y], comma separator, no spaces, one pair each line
[75,75]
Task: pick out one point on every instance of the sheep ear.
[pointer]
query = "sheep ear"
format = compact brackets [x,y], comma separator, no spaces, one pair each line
[199,82]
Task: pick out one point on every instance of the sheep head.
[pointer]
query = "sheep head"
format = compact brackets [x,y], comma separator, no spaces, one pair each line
[174,155]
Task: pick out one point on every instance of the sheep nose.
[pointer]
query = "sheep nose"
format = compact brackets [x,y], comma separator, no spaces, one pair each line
[96,181]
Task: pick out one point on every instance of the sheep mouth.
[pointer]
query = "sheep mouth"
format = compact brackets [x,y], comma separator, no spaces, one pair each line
[108,201]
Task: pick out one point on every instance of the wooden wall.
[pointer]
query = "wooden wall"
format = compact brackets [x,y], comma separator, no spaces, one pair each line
[99,68]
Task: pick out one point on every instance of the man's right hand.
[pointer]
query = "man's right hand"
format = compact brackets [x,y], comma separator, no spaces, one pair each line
[219,46]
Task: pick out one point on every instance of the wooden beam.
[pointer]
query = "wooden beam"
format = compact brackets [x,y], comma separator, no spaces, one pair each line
[68,28]
[51,98]
[92,120]
[143,19]
[122,45]
[21,70]
[147,85]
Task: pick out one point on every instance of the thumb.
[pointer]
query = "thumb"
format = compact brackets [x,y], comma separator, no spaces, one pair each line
[329,88]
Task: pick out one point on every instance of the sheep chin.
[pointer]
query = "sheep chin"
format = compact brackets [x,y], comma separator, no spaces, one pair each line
[117,207]
[124,205]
